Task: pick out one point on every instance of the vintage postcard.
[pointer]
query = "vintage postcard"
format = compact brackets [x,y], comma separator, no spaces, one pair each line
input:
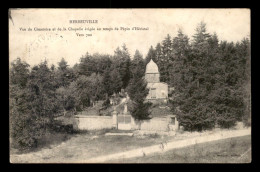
[130,85]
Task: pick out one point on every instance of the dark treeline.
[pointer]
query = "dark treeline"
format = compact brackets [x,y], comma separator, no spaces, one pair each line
[211,81]
[211,78]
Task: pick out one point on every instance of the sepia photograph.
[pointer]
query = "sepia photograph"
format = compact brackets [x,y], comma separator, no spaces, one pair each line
[120,86]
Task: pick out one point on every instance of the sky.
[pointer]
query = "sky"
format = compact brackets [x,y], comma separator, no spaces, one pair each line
[36,46]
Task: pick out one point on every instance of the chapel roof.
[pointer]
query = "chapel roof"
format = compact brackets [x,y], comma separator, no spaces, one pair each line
[151,67]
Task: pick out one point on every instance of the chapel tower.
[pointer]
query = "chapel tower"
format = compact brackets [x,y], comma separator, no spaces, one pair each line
[157,90]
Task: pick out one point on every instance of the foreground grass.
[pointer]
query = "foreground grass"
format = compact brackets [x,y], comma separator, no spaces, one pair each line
[81,146]
[233,150]
[84,145]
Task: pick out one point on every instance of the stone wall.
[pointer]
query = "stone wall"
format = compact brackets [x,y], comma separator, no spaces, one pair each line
[158,124]
[108,122]
[93,122]
[155,124]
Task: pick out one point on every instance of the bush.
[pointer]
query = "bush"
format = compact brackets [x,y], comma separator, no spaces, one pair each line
[247,121]
[140,110]
[106,103]
[25,128]
[226,120]
[61,128]
[154,136]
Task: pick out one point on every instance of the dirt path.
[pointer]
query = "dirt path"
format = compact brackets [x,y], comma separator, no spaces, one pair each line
[163,147]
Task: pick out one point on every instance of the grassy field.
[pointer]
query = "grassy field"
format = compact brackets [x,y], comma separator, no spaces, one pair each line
[233,150]
[80,146]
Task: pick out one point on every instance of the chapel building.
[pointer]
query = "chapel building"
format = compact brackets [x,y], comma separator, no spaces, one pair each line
[157,90]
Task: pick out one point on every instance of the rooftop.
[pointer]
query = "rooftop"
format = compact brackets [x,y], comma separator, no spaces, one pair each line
[151,67]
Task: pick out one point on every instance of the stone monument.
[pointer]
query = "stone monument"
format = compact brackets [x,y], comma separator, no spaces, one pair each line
[114,113]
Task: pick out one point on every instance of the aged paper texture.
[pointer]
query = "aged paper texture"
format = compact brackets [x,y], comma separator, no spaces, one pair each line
[72,54]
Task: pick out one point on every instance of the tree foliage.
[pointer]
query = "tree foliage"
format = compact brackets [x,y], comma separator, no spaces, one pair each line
[33,107]
[137,89]
[209,81]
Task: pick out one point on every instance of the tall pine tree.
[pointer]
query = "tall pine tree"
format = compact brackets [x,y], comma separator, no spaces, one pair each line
[137,89]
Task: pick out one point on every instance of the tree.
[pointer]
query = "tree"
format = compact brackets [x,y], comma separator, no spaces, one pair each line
[232,84]
[22,122]
[63,65]
[158,54]
[122,63]
[18,77]
[64,74]
[89,89]
[165,60]
[116,81]
[19,111]
[137,91]
[228,105]
[246,85]
[210,84]
[201,36]
[137,62]
[150,55]
[87,65]
[193,81]
[95,88]
[102,63]
[33,107]
[19,73]
[66,99]
[107,82]
[42,97]
[179,58]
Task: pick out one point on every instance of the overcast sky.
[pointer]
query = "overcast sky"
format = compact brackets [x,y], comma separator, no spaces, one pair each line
[35,46]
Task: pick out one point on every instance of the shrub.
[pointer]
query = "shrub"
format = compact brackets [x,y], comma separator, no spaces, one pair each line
[154,135]
[226,120]
[106,103]
[61,128]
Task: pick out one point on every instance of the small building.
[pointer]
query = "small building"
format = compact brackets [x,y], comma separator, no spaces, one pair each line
[157,90]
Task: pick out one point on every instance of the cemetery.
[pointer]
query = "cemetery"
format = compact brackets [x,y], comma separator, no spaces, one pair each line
[158,92]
